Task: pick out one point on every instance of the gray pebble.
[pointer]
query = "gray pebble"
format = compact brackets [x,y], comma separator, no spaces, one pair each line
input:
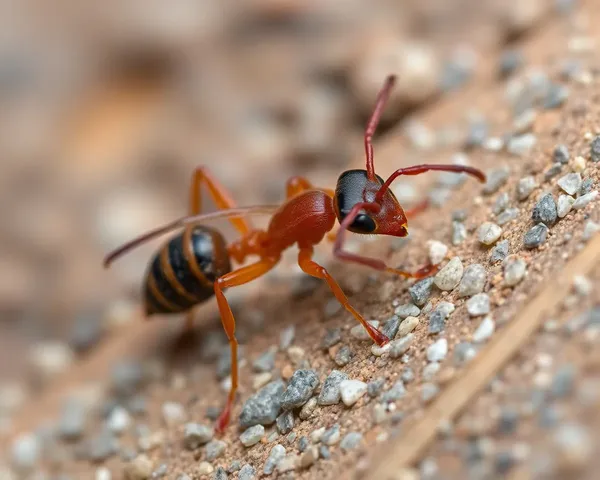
[499,252]
[553,171]
[430,370]
[264,363]
[127,377]
[343,356]
[214,449]
[570,183]
[220,474]
[119,420]
[459,215]
[477,133]
[548,416]
[72,420]
[586,186]
[195,435]
[437,318]
[449,276]
[464,352]
[514,270]
[459,233]
[584,200]
[300,388]
[478,305]
[247,472]
[407,375]
[421,291]
[521,145]
[437,351]
[556,96]
[330,392]
[234,466]
[303,443]
[525,186]
[332,337]
[101,447]
[473,280]
[495,179]
[535,236]
[510,61]
[375,387]
[331,436]
[263,407]
[182,476]
[390,328]
[564,205]
[504,461]
[508,420]
[163,469]
[561,154]
[502,201]
[395,393]
[87,332]
[507,215]
[25,452]
[308,409]
[595,149]
[252,435]
[429,391]
[287,337]
[324,452]
[275,456]
[563,381]
[485,330]
[400,346]
[285,422]
[545,210]
[488,233]
[351,441]
[407,310]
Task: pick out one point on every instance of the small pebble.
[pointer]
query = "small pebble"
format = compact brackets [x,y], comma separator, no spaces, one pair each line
[524,122]
[303,443]
[575,444]
[265,362]
[287,337]
[563,381]
[25,452]
[400,346]
[351,441]
[421,291]
[375,387]
[119,420]
[407,310]
[359,332]
[459,233]
[285,422]
[595,149]
[310,457]
[331,436]
[437,351]
[101,473]
[556,96]
[589,230]
[173,413]
[510,61]
[343,356]
[330,392]
[308,409]
[514,271]
[473,280]
[464,352]
[300,388]
[570,183]
[252,435]
[72,420]
[495,179]
[407,375]
[195,435]
[140,468]
[500,251]
[582,201]
[263,407]
[449,276]
[536,236]
[525,186]
[521,145]
[214,449]
[478,305]
[485,330]
[582,286]
[507,215]
[437,252]
[351,391]
[431,370]
[407,326]
[391,327]
[488,233]
[561,154]
[564,205]
[437,318]
[429,391]
[275,456]
[247,472]
[545,210]
[395,393]
[552,172]
[331,338]
[586,187]
[220,474]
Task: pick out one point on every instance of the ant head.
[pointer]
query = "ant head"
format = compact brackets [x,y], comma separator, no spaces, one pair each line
[379,213]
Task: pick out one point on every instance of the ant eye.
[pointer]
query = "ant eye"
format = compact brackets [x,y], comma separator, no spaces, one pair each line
[363,224]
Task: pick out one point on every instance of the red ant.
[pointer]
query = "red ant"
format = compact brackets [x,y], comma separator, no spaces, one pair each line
[196,263]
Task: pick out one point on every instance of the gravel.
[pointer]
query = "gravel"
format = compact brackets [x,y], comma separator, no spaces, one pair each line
[507,215]
[570,183]
[247,472]
[437,251]
[586,186]
[407,326]
[556,96]
[407,310]
[449,276]
[25,452]
[286,337]
[478,305]
[421,291]
[545,210]
[265,362]
[459,233]
[400,346]
[473,280]
[535,236]
[584,200]
[595,149]
[332,337]
[561,154]
[484,331]
[275,456]
[359,332]
[252,435]
[495,180]
[391,327]
[140,468]
[564,205]
[330,392]
[488,233]
[72,420]
[220,474]
[351,441]
[119,420]
[331,436]
[510,61]
[285,422]
[429,391]
[437,351]
[499,252]
[437,318]
[514,271]
[308,409]
[525,186]
[173,413]
[263,407]
[343,356]
[214,449]
[300,388]
[351,391]
[521,145]
[395,393]
[563,381]
[195,435]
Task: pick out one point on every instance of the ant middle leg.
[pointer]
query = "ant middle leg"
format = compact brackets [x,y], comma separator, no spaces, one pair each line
[315,270]
[298,184]
[234,279]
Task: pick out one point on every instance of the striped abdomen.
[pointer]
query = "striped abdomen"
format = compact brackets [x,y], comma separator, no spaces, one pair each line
[183,271]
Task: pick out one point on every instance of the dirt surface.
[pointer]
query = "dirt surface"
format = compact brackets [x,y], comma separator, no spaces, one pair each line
[538,416]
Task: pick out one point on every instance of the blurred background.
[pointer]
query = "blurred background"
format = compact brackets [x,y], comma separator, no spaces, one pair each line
[106,108]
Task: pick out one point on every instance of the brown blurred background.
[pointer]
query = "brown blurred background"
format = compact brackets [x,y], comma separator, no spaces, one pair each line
[106,108]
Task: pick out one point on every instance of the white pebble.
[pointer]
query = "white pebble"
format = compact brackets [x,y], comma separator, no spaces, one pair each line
[438,350]
[140,468]
[50,359]
[478,305]
[564,205]
[359,332]
[351,391]
[252,435]
[379,351]
[173,413]
[485,330]
[489,233]
[205,468]
[25,452]
[583,287]
[449,276]
[582,201]
[119,420]
[589,230]
[570,183]
[437,251]
[102,473]
[514,270]
[579,164]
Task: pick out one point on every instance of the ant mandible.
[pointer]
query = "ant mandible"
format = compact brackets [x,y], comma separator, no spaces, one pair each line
[196,263]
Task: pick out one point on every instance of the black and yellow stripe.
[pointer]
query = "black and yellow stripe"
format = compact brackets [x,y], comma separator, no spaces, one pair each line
[182,273]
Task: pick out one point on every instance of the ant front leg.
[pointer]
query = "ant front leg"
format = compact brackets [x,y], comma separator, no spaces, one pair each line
[315,270]
[234,279]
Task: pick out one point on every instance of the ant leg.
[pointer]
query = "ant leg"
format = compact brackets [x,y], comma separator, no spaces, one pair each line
[234,279]
[296,185]
[219,194]
[315,270]
[418,208]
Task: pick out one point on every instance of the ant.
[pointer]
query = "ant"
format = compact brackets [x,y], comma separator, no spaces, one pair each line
[196,264]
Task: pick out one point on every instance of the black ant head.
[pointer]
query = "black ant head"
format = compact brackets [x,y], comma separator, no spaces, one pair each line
[381,215]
